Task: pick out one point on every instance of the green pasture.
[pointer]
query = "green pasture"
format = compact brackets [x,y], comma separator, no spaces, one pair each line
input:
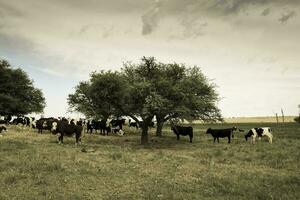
[34,166]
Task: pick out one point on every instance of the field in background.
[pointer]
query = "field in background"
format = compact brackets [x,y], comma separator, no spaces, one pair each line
[34,166]
[269,119]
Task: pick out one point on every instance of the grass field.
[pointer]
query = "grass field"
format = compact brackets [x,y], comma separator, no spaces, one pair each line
[34,166]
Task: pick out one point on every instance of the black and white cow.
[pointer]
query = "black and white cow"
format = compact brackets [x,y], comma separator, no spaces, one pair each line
[221,133]
[19,121]
[183,130]
[45,124]
[258,133]
[117,123]
[63,128]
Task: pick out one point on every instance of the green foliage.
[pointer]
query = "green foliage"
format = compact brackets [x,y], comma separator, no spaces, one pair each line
[18,96]
[148,89]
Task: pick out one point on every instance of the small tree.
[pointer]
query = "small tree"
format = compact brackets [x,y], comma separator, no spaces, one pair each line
[18,96]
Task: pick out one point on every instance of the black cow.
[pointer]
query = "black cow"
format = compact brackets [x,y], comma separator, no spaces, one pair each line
[182,130]
[63,128]
[2,128]
[3,121]
[98,125]
[221,133]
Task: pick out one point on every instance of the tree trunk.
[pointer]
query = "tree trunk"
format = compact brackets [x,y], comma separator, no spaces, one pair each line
[144,138]
[160,124]
[145,127]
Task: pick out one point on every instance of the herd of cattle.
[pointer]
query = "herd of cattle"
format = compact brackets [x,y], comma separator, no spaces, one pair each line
[70,127]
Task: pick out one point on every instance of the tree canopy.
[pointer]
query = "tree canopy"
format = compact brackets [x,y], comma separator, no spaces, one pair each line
[18,96]
[148,89]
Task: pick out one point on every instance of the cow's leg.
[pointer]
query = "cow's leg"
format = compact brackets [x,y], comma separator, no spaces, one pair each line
[191,138]
[229,138]
[218,139]
[77,138]
[253,139]
[62,138]
[58,138]
[177,136]
[215,139]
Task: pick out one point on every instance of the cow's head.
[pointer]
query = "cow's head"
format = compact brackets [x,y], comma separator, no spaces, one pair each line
[208,131]
[54,127]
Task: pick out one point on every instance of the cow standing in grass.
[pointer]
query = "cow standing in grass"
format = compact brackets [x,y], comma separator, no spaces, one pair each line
[63,128]
[258,133]
[221,133]
[182,130]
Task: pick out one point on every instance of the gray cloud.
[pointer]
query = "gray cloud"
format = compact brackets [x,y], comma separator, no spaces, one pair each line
[8,10]
[286,16]
[150,19]
[266,12]
[207,8]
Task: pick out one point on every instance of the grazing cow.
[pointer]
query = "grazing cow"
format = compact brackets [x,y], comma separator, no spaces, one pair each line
[62,128]
[221,133]
[181,130]
[259,132]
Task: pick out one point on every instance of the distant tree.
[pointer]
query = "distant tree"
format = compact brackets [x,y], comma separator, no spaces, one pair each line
[18,96]
[148,89]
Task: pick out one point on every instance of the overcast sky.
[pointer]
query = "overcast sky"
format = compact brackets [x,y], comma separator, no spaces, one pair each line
[250,49]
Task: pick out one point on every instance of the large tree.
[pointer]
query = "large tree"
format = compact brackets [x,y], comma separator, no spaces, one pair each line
[185,94]
[148,89]
[18,96]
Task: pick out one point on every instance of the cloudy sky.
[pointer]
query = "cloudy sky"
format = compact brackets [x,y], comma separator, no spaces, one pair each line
[249,48]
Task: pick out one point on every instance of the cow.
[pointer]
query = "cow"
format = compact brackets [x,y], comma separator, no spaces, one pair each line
[117,123]
[182,130]
[63,128]
[259,133]
[45,124]
[3,121]
[2,128]
[140,124]
[133,124]
[19,121]
[221,133]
